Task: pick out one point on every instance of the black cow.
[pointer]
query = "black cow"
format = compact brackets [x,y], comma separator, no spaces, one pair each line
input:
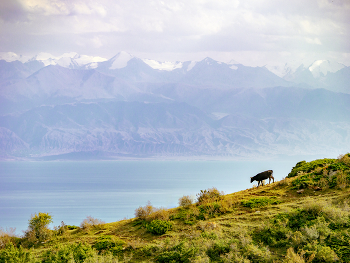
[263,176]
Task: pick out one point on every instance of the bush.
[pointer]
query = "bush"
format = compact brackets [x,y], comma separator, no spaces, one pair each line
[61,229]
[210,195]
[307,167]
[293,257]
[7,236]
[38,228]
[11,254]
[209,210]
[159,213]
[185,201]
[321,253]
[345,159]
[342,180]
[89,222]
[159,227]
[105,243]
[143,212]
[259,202]
[77,253]
[257,254]
[339,242]
[179,253]
[148,250]
[274,234]
[218,249]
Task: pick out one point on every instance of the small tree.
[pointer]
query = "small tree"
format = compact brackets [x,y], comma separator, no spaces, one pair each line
[38,230]
[90,222]
[185,201]
[209,196]
[143,212]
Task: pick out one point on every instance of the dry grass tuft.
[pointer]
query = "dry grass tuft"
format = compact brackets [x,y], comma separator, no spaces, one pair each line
[90,222]
[185,201]
[7,236]
[143,212]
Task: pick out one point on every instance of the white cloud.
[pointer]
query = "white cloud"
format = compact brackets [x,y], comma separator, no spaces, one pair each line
[156,27]
[315,41]
[97,43]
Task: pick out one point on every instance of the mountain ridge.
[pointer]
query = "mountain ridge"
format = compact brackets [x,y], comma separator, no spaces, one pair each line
[276,116]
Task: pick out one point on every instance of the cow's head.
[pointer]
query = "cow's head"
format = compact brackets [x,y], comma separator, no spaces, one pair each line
[251,179]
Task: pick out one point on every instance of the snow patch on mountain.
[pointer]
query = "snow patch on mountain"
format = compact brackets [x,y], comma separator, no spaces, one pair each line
[166,65]
[11,56]
[233,64]
[120,60]
[282,70]
[70,60]
[322,67]
[191,65]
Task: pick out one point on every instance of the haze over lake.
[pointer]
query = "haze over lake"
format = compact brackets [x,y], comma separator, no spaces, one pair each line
[112,190]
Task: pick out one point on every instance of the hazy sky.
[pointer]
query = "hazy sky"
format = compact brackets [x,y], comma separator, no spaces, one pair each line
[253,32]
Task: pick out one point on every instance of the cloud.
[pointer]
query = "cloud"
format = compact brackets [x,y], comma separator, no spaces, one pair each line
[315,41]
[175,26]
[11,11]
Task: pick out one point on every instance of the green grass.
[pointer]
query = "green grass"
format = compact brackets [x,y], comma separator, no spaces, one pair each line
[272,223]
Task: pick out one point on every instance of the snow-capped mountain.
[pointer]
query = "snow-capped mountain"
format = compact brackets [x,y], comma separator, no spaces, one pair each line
[282,70]
[321,68]
[11,56]
[76,104]
[68,60]
[166,65]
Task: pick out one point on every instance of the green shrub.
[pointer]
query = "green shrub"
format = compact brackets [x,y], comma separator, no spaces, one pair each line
[293,257]
[61,229]
[345,159]
[107,243]
[209,210]
[339,243]
[67,253]
[257,254]
[159,227]
[307,167]
[322,253]
[217,249]
[38,228]
[179,253]
[210,195]
[260,202]
[60,254]
[274,234]
[11,254]
[71,227]
[298,218]
[148,250]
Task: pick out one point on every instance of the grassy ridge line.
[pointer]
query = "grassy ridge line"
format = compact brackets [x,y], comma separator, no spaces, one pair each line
[302,218]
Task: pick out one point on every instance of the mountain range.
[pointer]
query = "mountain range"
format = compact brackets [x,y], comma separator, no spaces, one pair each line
[77,106]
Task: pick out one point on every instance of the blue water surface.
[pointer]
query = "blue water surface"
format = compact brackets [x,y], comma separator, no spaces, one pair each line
[112,190]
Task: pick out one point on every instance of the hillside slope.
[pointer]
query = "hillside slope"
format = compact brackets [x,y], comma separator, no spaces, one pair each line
[302,218]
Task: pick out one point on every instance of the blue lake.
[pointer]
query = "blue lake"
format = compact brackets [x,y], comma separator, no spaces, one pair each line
[112,190]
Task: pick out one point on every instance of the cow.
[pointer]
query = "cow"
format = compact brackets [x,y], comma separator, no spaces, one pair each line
[263,176]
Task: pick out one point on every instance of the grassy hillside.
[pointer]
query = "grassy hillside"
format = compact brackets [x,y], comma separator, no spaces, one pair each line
[302,218]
